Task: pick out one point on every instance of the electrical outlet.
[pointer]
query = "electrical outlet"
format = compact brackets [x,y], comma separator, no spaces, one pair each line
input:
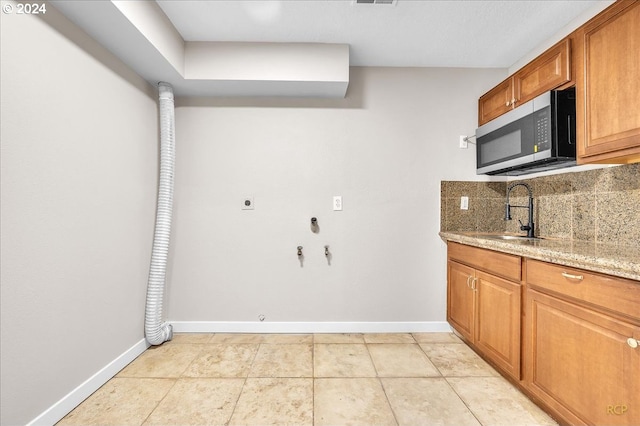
[464,203]
[337,202]
[464,144]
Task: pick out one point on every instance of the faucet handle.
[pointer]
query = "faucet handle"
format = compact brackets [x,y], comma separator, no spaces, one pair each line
[523,227]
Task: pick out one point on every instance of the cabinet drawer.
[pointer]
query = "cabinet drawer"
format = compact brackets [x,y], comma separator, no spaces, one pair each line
[615,294]
[501,264]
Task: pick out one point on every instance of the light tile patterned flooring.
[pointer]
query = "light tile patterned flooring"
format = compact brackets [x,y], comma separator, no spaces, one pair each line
[321,379]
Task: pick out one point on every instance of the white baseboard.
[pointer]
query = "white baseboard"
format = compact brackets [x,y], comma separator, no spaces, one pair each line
[63,407]
[308,327]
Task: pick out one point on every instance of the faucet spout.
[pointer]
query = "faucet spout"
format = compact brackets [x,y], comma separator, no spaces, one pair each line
[530,226]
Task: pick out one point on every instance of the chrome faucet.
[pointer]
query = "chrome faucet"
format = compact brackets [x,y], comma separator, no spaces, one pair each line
[529,227]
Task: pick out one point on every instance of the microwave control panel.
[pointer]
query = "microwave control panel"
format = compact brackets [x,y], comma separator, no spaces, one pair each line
[542,128]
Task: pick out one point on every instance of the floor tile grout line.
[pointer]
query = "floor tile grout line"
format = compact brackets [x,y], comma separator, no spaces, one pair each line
[192,361]
[244,383]
[393,412]
[175,382]
[435,365]
[366,345]
[379,378]
[313,381]
[463,401]
[235,405]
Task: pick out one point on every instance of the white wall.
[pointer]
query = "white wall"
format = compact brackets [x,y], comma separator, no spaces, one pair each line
[384,149]
[79,165]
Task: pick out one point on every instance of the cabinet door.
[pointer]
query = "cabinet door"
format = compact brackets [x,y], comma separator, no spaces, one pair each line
[497,331]
[550,70]
[610,86]
[580,363]
[495,102]
[460,304]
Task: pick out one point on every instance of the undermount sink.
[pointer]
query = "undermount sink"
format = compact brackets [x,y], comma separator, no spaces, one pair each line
[512,237]
[508,237]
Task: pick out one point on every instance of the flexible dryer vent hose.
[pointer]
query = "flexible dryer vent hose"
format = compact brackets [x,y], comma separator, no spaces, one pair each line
[155,331]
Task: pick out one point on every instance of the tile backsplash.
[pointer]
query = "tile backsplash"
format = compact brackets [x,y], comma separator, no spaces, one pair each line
[600,205]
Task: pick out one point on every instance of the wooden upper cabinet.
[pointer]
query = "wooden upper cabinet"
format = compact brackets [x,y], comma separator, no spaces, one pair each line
[608,86]
[495,102]
[602,59]
[548,71]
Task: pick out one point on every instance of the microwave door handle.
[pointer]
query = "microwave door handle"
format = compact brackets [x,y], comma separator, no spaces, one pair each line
[569,128]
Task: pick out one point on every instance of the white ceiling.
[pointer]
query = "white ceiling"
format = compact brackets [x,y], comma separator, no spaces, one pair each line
[409,33]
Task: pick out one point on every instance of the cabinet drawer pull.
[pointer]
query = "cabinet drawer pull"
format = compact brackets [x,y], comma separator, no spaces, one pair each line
[633,342]
[573,277]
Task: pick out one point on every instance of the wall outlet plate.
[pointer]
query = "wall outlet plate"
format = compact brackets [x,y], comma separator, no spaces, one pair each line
[337,202]
[464,144]
[464,203]
[247,203]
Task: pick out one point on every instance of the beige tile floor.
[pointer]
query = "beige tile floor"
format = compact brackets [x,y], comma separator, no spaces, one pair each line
[321,379]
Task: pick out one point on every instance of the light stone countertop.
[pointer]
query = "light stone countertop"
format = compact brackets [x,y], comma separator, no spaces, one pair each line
[612,259]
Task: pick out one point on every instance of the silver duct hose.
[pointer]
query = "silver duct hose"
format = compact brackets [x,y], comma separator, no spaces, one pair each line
[155,331]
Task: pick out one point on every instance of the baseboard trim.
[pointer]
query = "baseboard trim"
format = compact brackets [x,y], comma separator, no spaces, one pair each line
[309,327]
[65,405]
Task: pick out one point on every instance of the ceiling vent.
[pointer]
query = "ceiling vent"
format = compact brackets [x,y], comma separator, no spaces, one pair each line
[391,2]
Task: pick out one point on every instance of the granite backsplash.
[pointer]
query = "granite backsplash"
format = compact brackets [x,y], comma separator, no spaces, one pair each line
[601,205]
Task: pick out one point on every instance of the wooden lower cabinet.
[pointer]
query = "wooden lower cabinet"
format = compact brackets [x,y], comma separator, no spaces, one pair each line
[580,364]
[461,299]
[569,338]
[485,308]
[581,345]
[497,331]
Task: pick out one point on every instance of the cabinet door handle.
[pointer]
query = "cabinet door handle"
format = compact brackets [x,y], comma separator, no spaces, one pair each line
[633,342]
[473,284]
[573,277]
[469,279]
[508,103]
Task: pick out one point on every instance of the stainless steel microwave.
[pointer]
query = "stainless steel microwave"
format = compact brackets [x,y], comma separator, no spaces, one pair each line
[538,135]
